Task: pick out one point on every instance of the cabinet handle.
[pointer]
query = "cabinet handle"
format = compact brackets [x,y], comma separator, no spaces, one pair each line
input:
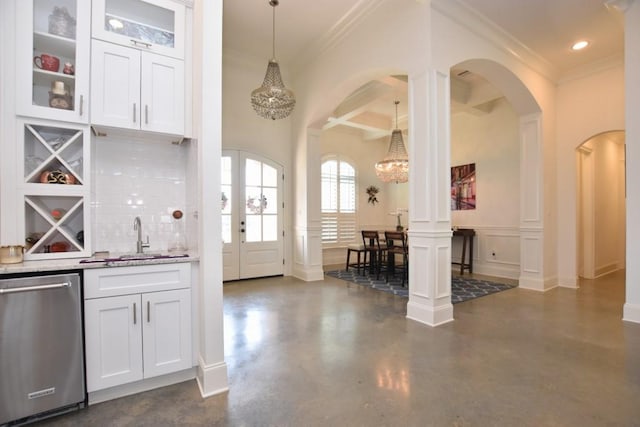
[139,43]
[148,311]
[81,104]
[146,114]
[135,315]
[134,112]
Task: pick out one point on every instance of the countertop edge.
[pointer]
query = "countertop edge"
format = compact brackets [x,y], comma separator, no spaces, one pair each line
[75,264]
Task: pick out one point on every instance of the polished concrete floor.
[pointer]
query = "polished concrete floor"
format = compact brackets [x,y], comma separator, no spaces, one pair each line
[332,353]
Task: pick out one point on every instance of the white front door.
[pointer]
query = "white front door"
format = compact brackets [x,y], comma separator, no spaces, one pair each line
[252,223]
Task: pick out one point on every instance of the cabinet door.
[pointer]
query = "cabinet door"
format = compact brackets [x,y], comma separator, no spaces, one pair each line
[115,85]
[162,94]
[52,59]
[113,340]
[166,331]
[152,25]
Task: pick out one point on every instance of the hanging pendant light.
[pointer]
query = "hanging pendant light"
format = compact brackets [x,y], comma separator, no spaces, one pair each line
[395,165]
[272,100]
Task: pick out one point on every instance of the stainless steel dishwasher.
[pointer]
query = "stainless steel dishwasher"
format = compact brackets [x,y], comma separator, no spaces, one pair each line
[41,347]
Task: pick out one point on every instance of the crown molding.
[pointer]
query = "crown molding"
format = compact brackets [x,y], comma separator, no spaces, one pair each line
[337,33]
[595,67]
[477,23]
[619,5]
[188,3]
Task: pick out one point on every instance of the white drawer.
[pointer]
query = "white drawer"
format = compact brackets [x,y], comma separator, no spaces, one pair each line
[112,281]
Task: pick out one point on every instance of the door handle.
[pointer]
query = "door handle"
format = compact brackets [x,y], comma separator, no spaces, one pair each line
[35,288]
[135,314]
[148,311]
[134,112]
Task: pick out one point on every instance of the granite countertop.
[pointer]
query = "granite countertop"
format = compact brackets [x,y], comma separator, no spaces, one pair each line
[112,260]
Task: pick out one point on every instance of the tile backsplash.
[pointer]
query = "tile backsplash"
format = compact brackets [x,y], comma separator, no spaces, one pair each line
[137,178]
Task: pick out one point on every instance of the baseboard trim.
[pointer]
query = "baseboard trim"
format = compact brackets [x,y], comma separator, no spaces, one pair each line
[212,379]
[568,282]
[309,275]
[123,390]
[430,316]
[606,269]
[537,284]
[631,313]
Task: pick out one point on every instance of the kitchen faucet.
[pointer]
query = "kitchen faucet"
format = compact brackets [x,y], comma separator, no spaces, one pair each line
[140,245]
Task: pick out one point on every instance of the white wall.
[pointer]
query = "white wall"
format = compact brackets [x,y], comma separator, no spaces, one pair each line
[586,106]
[491,141]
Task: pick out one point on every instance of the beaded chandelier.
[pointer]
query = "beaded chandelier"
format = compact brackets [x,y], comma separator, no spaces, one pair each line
[273,100]
[395,165]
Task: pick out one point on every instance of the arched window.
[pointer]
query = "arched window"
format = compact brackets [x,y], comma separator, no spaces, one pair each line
[338,201]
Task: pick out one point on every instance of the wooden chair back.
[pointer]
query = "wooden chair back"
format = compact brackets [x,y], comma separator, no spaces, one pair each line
[371,240]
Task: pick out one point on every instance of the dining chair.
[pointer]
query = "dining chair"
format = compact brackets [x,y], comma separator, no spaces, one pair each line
[371,240]
[397,245]
[361,252]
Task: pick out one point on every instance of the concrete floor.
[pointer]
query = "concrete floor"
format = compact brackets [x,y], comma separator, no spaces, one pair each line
[332,353]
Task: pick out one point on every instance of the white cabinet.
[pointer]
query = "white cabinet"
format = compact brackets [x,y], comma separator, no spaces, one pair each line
[136,90]
[53,189]
[52,59]
[138,335]
[153,25]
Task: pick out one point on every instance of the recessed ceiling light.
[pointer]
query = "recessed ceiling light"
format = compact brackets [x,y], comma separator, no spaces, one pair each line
[580,45]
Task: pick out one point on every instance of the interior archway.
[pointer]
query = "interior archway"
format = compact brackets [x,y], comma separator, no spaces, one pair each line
[601,204]
[524,238]
[485,139]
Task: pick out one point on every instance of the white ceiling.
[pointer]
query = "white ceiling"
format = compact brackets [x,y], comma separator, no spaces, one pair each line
[547,27]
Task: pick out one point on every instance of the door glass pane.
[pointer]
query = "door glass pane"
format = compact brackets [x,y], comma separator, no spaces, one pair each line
[54,50]
[225,172]
[253,172]
[270,228]
[226,229]
[254,228]
[225,199]
[269,176]
[256,202]
[271,197]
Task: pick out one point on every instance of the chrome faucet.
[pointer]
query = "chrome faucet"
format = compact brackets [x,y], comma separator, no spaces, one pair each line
[140,245]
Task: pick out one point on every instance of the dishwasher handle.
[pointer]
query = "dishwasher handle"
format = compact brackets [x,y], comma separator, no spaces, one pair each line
[35,288]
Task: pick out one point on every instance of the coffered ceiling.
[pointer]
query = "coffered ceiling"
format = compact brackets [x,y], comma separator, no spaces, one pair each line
[547,28]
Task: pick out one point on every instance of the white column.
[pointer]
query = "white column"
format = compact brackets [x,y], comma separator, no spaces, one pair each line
[632,112]
[429,201]
[307,261]
[212,369]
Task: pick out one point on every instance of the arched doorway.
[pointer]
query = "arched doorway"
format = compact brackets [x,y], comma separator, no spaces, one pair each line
[485,137]
[601,204]
[534,240]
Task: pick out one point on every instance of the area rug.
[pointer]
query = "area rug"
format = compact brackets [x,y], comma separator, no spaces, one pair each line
[462,288]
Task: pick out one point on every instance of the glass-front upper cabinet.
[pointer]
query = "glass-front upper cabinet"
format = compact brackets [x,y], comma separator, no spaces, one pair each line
[154,25]
[52,59]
